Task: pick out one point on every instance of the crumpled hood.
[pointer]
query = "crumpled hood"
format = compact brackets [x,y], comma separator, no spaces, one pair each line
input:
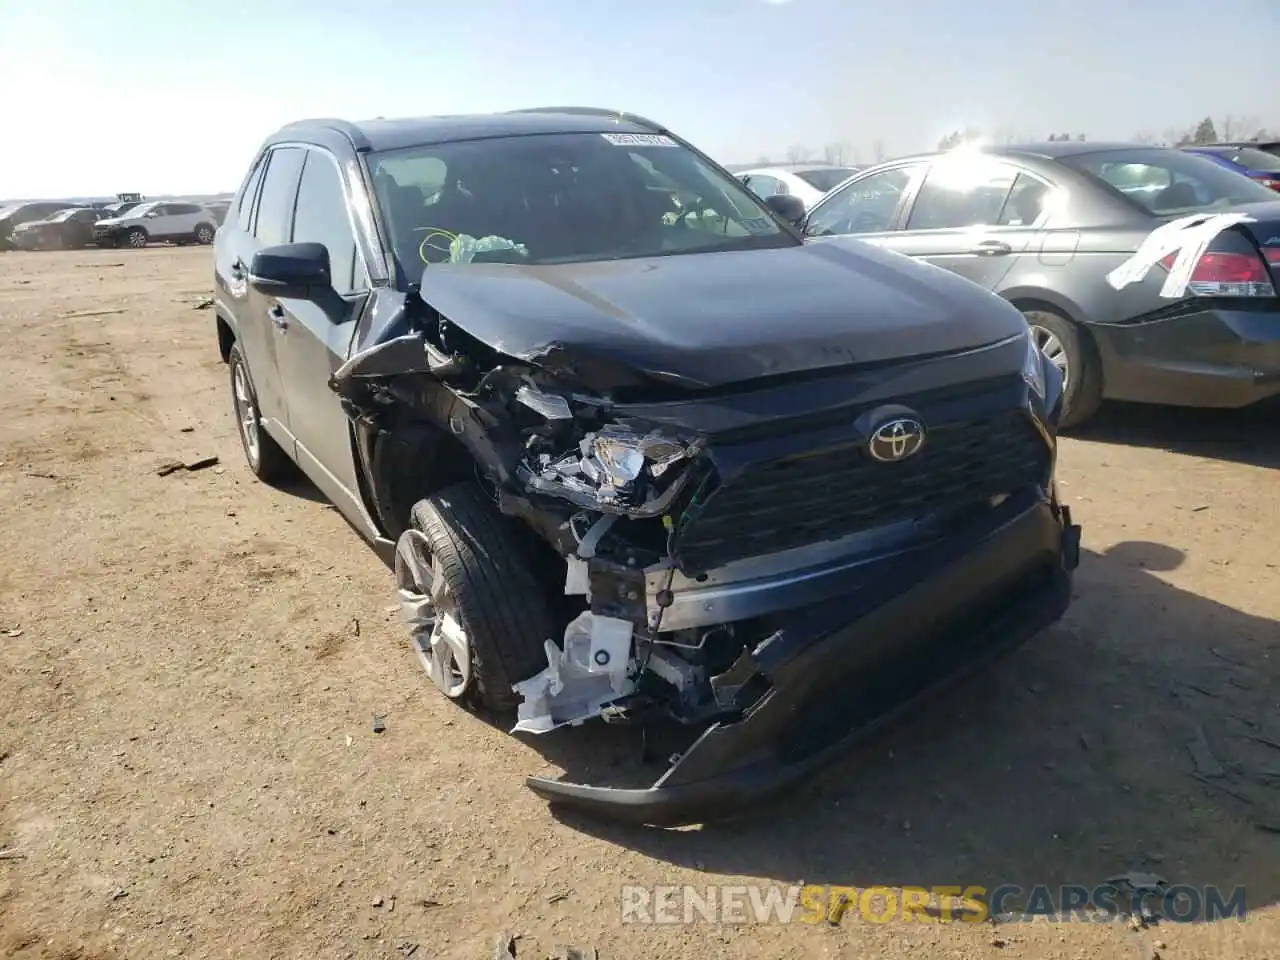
[110,222]
[707,320]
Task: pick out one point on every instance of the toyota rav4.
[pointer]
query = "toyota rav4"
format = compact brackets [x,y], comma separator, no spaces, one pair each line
[632,446]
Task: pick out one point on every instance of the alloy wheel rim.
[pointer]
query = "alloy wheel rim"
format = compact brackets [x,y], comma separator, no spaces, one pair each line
[442,645]
[1053,350]
[246,413]
[137,240]
[204,235]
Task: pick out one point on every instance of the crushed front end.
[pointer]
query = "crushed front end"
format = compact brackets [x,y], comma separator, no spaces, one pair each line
[783,567]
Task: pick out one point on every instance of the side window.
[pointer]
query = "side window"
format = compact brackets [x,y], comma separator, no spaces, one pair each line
[1026,202]
[279,189]
[183,208]
[321,217]
[961,192]
[244,202]
[762,186]
[864,206]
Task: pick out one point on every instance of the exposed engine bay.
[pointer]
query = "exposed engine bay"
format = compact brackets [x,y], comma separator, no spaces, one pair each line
[607,494]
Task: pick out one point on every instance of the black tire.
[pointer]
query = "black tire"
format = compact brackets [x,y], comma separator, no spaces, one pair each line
[1083,393]
[500,604]
[269,463]
[135,237]
[203,233]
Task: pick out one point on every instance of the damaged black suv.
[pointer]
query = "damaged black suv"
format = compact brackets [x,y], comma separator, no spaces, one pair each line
[634,447]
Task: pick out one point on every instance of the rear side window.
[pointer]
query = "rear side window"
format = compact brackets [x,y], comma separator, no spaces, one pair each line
[244,203]
[321,217]
[961,192]
[279,189]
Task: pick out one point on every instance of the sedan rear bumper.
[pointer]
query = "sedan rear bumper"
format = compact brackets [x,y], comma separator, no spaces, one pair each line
[1210,358]
[844,668]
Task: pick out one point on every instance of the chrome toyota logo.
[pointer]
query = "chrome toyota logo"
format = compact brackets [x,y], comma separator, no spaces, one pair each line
[896,440]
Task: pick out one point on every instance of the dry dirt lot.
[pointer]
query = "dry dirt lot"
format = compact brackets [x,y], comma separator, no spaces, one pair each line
[190,664]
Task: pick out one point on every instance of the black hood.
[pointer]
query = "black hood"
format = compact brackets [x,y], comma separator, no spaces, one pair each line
[707,320]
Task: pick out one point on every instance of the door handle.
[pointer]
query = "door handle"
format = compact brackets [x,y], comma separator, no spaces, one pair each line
[991,248]
[278,317]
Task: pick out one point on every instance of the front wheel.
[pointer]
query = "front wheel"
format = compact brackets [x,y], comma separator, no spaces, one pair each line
[265,457]
[1071,350]
[137,237]
[477,616]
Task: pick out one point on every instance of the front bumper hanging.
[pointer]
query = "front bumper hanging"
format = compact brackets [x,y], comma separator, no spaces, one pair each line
[843,669]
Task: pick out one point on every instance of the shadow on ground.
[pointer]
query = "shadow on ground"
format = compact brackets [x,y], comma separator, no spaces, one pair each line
[1067,763]
[1250,436]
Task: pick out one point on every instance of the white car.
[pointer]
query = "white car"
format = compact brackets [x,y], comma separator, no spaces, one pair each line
[808,182]
[159,220]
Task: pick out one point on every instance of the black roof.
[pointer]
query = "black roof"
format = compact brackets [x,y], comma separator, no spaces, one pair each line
[384,134]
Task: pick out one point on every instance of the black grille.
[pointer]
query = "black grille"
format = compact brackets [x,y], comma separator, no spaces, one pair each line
[791,502]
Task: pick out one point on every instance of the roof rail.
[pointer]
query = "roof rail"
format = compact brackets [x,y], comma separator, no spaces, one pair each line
[616,115]
[344,127]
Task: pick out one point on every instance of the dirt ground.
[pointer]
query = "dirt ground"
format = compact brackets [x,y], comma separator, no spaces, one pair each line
[190,665]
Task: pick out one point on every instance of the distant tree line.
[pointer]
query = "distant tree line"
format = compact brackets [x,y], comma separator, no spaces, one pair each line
[1229,128]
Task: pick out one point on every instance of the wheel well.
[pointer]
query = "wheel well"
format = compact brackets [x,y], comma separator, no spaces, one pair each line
[411,461]
[203,223]
[226,339]
[1032,303]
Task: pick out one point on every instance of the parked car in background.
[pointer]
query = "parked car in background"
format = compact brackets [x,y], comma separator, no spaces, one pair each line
[16,214]
[809,182]
[219,210]
[488,338]
[156,221]
[1044,224]
[66,229]
[1253,163]
[1266,146]
[121,207]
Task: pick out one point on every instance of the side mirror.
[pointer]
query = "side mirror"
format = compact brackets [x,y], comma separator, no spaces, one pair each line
[789,208]
[297,270]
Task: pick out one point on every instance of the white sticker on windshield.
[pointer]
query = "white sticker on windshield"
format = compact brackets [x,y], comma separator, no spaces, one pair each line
[758,225]
[639,139]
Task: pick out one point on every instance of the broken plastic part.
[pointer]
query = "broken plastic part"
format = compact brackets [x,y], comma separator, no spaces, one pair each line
[605,472]
[577,581]
[548,405]
[1188,237]
[590,672]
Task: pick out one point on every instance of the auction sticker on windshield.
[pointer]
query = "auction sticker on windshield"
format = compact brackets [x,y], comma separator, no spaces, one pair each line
[638,139]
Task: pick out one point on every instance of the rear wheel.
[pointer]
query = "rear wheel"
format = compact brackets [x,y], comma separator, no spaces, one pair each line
[477,616]
[1071,350]
[204,233]
[265,457]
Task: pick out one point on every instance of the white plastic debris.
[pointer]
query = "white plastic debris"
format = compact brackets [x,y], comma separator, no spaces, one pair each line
[576,578]
[590,672]
[1189,237]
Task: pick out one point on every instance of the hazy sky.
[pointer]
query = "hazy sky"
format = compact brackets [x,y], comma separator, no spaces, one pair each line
[99,96]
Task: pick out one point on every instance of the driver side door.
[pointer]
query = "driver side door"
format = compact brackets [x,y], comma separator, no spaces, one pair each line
[870,208]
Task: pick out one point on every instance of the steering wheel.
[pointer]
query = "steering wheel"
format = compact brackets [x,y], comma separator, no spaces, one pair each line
[434,246]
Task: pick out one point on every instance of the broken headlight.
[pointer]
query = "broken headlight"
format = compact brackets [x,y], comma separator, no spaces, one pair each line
[622,454]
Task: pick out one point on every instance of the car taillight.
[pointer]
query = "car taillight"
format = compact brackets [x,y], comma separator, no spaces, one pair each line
[1227,274]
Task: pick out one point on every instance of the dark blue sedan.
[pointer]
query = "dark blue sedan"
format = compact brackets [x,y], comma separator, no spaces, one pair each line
[1256,164]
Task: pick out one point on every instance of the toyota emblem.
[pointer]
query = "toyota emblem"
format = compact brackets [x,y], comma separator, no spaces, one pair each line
[896,440]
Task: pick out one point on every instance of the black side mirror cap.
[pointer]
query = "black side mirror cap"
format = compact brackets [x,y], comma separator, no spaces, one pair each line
[789,208]
[291,270]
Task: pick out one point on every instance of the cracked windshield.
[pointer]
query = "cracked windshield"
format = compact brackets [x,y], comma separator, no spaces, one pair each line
[533,479]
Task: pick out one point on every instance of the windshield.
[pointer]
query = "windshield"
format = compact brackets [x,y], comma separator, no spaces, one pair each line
[9,210]
[136,210]
[1170,182]
[562,198]
[825,180]
[1256,159]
